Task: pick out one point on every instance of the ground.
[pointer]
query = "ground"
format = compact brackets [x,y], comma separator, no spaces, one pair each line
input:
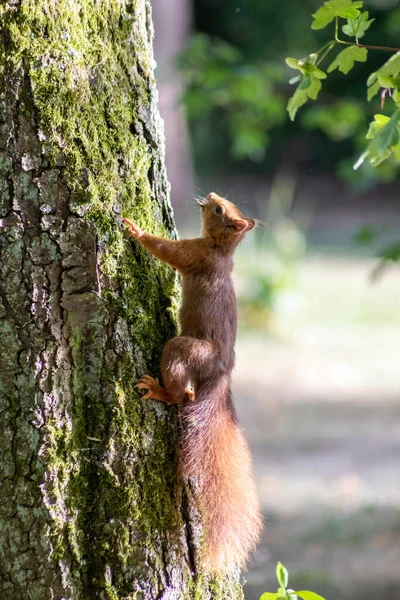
[321,411]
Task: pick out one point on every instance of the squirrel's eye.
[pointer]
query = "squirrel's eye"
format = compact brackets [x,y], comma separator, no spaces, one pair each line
[218,210]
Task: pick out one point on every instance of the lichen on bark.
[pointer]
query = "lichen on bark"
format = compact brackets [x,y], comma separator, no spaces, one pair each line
[92,505]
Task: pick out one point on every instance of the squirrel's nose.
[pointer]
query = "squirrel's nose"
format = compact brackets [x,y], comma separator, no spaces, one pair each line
[212,196]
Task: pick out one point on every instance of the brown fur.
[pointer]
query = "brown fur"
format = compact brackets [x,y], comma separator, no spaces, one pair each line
[198,365]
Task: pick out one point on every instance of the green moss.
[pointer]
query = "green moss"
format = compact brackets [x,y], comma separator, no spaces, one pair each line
[111,592]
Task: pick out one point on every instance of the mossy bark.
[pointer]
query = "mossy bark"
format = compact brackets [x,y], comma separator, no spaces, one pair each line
[91,504]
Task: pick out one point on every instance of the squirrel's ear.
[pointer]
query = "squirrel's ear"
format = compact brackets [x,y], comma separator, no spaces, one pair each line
[240,224]
[213,196]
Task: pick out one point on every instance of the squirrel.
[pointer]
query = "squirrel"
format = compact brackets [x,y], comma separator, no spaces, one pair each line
[196,369]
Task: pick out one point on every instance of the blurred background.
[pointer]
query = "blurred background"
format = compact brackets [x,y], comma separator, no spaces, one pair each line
[317,382]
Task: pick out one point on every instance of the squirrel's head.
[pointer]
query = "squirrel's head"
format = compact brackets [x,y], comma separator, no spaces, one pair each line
[222,221]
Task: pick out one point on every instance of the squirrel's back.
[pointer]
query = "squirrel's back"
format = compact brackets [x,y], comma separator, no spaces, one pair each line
[216,456]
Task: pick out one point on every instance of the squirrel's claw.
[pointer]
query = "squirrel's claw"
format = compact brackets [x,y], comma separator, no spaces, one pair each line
[133,230]
[152,384]
[147,383]
[147,379]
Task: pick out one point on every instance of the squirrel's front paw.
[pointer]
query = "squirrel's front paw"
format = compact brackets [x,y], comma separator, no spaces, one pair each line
[133,230]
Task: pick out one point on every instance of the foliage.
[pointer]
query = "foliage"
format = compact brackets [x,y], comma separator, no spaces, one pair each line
[217,76]
[232,133]
[285,593]
[328,135]
[384,131]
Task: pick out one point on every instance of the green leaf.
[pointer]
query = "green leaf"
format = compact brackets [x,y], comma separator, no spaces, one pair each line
[298,99]
[282,575]
[307,595]
[389,82]
[384,134]
[346,58]
[379,123]
[347,9]
[310,69]
[305,67]
[322,18]
[293,63]
[377,158]
[389,134]
[308,88]
[305,83]
[391,68]
[396,151]
[373,90]
[270,596]
[314,88]
[358,26]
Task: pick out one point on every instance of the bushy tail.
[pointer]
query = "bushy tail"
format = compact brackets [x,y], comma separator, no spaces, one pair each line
[216,455]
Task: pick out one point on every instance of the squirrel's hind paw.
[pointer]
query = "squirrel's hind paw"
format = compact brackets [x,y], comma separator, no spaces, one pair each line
[155,391]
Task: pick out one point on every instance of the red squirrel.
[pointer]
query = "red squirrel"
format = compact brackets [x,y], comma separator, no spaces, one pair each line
[196,369]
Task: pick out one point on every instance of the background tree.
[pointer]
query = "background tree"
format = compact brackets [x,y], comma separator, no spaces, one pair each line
[90,502]
[172,22]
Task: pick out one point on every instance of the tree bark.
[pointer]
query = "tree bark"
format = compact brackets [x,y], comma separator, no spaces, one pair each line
[91,502]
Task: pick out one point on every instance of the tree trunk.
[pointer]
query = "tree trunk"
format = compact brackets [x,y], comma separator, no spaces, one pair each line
[91,503]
